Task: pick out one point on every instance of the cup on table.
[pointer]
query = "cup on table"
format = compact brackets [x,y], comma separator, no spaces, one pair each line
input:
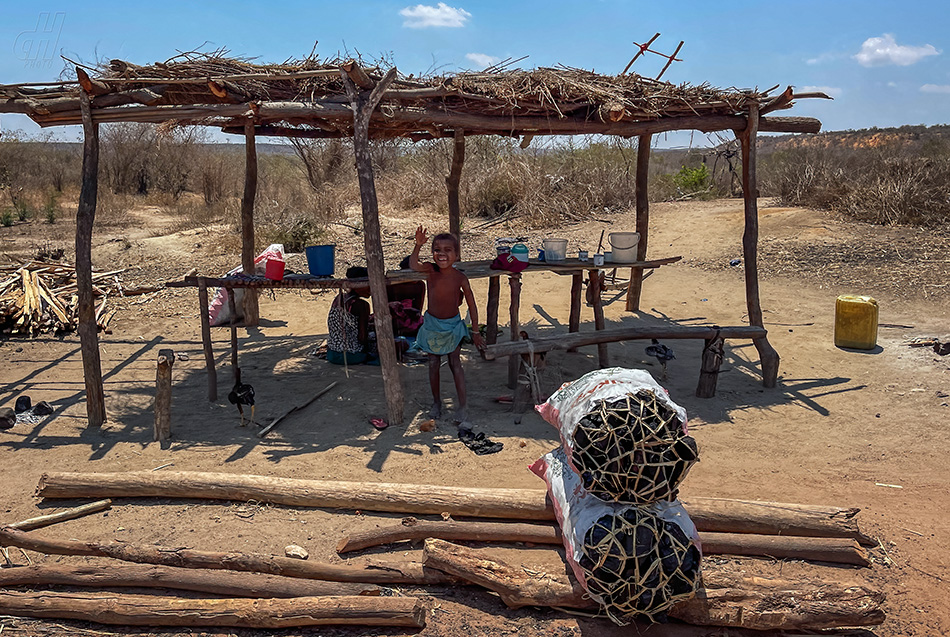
[582,255]
[598,259]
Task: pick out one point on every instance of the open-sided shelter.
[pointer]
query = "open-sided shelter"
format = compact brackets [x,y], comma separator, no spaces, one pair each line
[344,98]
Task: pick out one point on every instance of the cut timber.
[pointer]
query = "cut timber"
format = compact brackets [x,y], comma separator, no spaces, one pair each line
[148,610]
[232,584]
[392,573]
[709,514]
[725,601]
[836,550]
[62,516]
[618,334]
[163,396]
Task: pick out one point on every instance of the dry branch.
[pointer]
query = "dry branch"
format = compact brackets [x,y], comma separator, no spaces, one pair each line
[148,610]
[390,573]
[62,516]
[232,584]
[709,514]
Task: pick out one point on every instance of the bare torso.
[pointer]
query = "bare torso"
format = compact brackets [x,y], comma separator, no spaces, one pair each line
[445,292]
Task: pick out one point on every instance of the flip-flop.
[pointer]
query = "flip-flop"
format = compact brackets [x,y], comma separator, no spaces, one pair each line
[378,423]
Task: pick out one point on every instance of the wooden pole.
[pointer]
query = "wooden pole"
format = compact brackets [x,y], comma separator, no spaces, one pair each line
[709,371]
[724,600]
[635,287]
[251,309]
[363,105]
[593,284]
[233,584]
[163,396]
[574,321]
[151,610]
[514,327]
[235,368]
[750,239]
[62,516]
[392,573]
[491,321]
[834,550]
[85,217]
[206,345]
[452,184]
[708,514]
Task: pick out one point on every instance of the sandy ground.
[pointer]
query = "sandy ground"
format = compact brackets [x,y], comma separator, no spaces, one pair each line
[839,424]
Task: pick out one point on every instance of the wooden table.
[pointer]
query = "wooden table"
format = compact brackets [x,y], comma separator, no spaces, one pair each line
[472,269]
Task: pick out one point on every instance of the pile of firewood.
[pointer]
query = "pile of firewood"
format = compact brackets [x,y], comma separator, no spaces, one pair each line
[298,592]
[39,297]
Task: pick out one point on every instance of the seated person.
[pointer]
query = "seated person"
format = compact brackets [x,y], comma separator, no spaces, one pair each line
[348,325]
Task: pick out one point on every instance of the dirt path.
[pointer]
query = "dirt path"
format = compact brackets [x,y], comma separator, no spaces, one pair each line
[839,423]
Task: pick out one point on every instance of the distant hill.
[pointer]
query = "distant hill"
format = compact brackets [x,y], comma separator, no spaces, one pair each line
[910,137]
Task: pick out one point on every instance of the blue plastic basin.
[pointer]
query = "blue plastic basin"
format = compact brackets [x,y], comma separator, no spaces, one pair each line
[320,260]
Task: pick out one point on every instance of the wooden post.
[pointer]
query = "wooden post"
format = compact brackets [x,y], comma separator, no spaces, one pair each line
[251,309]
[85,216]
[514,331]
[163,395]
[574,322]
[593,284]
[491,321]
[452,183]
[363,105]
[709,371]
[206,339]
[235,369]
[635,286]
[750,238]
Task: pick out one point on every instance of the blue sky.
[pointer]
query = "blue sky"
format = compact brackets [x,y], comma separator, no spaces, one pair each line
[886,63]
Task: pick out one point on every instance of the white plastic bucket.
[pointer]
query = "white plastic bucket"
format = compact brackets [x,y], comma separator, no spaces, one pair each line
[624,246]
[554,249]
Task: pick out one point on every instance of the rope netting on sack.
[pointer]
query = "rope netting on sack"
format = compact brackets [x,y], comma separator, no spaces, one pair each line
[639,564]
[632,449]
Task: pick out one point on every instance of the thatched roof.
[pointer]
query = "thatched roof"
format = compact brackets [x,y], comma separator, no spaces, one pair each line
[308,98]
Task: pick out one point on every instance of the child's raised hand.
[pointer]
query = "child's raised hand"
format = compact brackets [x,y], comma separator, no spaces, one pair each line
[421,237]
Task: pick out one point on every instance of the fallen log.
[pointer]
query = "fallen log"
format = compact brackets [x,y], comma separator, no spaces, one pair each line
[62,516]
[388,573]
[737,603]
[836,550]
[709,514]
[148,610]
[227,583]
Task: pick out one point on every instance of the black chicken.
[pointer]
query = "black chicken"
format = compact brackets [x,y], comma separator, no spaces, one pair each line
[242,394]
[661,353]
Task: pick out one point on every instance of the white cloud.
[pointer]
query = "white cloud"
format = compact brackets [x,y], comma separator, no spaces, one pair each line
[441,15]
[830,91]
[482,60]
[943,89]
[821,59]
[885,50]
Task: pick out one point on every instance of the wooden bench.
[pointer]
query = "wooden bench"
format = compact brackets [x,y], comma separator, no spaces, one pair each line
[713,335]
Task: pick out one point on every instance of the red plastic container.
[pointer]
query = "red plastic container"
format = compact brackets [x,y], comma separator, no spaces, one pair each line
[274,269]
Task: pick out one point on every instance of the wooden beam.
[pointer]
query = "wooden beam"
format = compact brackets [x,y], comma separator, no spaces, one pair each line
[357,75]
[452,184]
[153,610]
[402,572]
[750,239]
[121,575]
[85,217]
[618,335]
[635,286]
[362,110]
[251,309]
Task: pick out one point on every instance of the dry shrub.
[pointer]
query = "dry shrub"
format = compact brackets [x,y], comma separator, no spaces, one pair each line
[884,185]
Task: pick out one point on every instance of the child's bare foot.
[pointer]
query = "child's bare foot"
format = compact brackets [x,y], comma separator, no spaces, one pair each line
[436,411]
[461,419]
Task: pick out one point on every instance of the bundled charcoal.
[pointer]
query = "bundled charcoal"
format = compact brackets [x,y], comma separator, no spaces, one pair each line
[636,561]
[623,435]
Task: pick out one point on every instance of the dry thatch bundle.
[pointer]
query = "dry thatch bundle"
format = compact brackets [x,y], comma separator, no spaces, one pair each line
[632,449]
[639,564]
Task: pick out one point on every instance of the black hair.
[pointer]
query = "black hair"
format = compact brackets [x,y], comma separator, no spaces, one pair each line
[404,264]
[357,272]
[448,236]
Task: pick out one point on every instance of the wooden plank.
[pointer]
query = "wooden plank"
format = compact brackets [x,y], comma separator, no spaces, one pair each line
[85,217]
[620,334]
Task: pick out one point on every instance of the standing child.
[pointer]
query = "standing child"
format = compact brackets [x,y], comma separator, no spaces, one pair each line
[442,330]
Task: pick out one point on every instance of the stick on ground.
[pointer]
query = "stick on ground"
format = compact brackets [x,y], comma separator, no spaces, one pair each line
[62,516]
[263,432]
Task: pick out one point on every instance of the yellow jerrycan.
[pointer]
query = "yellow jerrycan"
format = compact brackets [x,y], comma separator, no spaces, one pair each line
[855,322]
